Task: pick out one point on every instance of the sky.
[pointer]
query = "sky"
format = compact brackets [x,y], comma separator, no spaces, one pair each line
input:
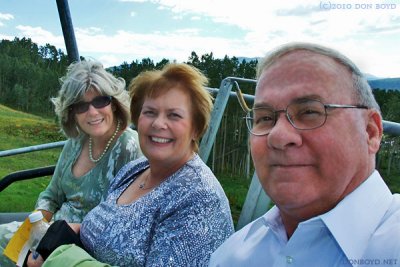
[117,31]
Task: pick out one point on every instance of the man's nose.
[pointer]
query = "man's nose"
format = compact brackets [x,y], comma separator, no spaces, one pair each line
[283,134]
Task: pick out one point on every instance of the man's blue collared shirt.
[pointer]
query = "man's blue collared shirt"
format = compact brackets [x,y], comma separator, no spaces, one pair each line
[362,230]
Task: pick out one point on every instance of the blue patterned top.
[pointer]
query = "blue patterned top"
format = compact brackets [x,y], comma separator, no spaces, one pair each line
[70,198]
[179,223]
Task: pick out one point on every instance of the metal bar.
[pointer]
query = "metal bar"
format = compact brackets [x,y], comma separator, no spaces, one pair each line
[255,205]
[242,80]
[247,97]
[216,116]
[7,217]
[29,149]
[25,175]
[392,128]
[68,30]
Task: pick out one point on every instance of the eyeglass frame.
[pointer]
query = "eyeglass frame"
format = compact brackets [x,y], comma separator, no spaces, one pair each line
[90,103]
[249,119]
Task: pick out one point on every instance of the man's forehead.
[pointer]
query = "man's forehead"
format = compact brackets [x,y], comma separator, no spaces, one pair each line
[303,73]
[305,58]
[304,66]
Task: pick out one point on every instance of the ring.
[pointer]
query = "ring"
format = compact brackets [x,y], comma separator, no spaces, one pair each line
[35,255]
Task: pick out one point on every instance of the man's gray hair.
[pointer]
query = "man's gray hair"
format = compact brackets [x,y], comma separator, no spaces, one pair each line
[362,90]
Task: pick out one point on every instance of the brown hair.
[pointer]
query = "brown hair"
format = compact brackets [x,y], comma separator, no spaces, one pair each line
[188,78]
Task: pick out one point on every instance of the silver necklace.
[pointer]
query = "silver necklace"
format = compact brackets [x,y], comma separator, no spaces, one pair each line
[143,183]
[105,149]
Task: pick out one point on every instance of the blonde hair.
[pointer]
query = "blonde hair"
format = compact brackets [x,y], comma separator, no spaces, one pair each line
[82,77]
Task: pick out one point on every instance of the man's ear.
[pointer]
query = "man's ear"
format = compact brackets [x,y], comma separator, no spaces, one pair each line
[374,131]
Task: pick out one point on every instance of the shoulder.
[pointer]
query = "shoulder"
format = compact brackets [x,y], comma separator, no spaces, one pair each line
[128,171]
[198,169]
[392,215]
[130,133]
[127,143]
[71,147]
[384,241]
[73,143]
[245,240]
[129,136]
[195,188]
[197,177]
[391,220]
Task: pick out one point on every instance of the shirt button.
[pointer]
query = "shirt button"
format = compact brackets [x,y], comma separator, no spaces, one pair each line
[289,260]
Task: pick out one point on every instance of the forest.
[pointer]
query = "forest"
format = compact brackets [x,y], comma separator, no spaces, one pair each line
[29,77]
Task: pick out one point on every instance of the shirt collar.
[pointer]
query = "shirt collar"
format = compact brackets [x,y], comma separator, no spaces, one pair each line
[353,221]
[272,220]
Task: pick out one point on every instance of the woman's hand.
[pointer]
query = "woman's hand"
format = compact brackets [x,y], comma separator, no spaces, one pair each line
[47,215]
[75,226]
[34,260]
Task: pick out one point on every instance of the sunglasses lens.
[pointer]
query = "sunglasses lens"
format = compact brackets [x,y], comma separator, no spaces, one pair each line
[97,102]
[81,107]
[101,101]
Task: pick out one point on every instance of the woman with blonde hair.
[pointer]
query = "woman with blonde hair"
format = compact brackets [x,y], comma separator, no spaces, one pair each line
[93,110]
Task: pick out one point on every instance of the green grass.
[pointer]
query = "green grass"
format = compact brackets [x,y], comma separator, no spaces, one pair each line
[18,129]
[236,190]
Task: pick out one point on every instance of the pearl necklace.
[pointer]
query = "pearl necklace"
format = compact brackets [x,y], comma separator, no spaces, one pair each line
[105,149]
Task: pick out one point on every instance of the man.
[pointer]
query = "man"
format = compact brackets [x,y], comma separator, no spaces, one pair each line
[315,130]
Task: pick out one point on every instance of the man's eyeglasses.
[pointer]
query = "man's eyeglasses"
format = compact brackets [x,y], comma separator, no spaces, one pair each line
[97,102]
[305,114]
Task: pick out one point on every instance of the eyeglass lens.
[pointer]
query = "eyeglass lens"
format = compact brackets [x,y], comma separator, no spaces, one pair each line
[97,102]
[303,115]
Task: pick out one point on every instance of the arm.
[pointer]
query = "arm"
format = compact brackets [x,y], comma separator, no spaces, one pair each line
[188,236]
[52,197]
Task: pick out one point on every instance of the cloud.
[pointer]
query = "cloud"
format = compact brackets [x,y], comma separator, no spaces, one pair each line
[261,30]
[6,37]
[88,31]
[40,36]
[6,16]
[265,29]
[298,11]
[388,24]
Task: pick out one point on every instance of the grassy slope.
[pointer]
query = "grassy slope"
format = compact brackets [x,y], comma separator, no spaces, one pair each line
[18,129]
